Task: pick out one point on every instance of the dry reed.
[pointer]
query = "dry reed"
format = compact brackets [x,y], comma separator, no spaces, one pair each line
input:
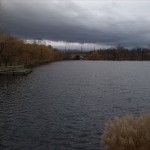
[127,133]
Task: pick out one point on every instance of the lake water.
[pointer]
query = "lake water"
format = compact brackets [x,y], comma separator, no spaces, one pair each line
[65,105]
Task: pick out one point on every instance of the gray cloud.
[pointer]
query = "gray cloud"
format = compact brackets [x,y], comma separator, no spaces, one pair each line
[83,21]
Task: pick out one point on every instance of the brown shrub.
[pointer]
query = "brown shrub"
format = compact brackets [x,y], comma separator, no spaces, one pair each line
[127,133]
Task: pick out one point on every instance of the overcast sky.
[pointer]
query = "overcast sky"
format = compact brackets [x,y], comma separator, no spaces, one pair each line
[93,23]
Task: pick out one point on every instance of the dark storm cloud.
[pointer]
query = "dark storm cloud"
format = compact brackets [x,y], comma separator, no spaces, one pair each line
[82,21]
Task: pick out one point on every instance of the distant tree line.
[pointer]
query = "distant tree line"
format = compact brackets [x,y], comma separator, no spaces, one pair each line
[116,53]
[14,51]
[120,53]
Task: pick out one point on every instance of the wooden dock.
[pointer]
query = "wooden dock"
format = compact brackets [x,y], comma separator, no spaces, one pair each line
[14,70]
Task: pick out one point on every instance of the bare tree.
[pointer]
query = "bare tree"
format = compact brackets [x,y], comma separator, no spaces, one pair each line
[4,39]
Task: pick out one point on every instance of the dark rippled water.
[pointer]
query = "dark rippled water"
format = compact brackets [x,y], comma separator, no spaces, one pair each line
[64,105]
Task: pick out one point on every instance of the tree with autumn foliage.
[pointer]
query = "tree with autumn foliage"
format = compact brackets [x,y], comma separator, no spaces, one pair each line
[14,51]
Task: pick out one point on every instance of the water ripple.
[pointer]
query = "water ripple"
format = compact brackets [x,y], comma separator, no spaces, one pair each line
[65,105]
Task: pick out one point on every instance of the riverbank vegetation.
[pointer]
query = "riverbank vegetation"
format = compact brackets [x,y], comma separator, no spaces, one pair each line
[127,133]
[120,53]
[14,51]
